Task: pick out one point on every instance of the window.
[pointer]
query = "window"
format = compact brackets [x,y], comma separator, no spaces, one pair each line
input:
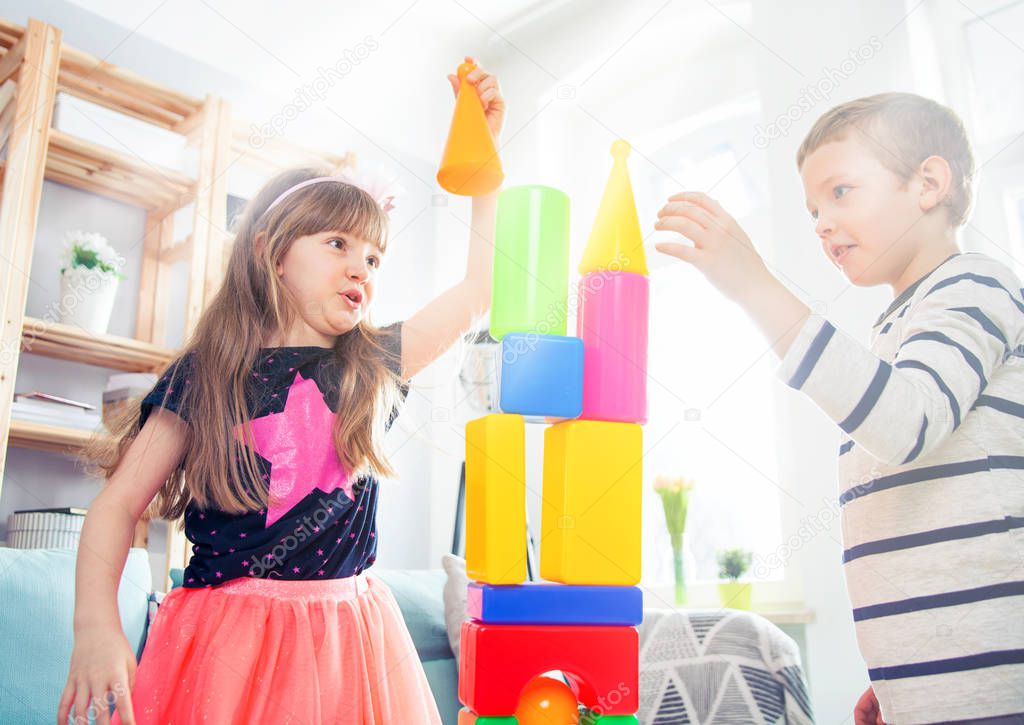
[711,375]
[996,63]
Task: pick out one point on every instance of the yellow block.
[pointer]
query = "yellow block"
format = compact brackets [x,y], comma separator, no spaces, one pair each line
[496,499]
[592,494]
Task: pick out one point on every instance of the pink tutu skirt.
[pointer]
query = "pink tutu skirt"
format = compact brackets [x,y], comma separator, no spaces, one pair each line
[323,652]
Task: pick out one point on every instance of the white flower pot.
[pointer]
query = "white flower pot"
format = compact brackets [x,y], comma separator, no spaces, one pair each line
[87,298]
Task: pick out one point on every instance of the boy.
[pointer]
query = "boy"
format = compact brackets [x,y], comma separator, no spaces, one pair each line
[931,468]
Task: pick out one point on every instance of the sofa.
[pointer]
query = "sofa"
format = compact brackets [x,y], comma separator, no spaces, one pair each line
[37,596]
[696,666]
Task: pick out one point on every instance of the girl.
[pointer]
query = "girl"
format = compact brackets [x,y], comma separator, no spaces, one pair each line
[265,434]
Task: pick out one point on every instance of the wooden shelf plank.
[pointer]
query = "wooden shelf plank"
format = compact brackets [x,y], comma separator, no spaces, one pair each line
[10,64]
[177,251]
[49,438]
[96,80]
[98,169]
[276,153]
[68,342]
[101,170]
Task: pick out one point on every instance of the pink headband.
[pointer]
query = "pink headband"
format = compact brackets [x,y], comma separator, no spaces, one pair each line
[375,190]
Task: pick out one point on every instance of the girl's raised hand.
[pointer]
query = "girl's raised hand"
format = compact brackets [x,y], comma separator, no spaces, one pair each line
[102,673]
[721,250]
[490,95]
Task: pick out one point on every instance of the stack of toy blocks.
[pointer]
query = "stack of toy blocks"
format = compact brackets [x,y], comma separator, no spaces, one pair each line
[591,391]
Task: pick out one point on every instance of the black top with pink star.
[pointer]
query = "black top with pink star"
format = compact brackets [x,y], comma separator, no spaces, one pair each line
[321,523]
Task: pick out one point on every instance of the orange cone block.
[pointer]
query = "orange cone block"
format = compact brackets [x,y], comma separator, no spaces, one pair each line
[470,165]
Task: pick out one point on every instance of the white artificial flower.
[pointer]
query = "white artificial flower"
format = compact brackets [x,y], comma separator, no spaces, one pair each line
[90,242]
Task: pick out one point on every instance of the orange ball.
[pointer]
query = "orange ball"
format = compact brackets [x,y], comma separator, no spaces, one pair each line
[547,701]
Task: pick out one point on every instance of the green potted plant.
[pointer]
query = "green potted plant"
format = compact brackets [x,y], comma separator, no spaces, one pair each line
[675,499]
[732,564]
[89,274]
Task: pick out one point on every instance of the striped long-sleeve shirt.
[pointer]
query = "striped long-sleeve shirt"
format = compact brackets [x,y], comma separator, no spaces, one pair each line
[931,488]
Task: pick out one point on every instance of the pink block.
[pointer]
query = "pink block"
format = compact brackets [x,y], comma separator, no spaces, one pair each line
[612,322]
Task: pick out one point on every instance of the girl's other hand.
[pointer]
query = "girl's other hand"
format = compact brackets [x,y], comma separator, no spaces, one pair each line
[490,95]
[102,673]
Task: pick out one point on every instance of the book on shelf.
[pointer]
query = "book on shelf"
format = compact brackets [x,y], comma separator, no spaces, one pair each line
[128,385]
[47,400]
[124,390]
[87,421]
[73,510]
[39,407]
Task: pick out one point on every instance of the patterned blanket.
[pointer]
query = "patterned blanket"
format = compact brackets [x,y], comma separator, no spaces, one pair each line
[703,666]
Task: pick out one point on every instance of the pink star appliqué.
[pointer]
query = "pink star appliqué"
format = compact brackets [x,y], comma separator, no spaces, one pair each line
[299,446]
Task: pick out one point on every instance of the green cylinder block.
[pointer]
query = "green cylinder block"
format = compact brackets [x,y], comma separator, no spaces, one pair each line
[531,262]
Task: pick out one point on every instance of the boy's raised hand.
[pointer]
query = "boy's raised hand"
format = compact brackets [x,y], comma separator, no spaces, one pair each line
[490,95]
[721,250]
[723,253]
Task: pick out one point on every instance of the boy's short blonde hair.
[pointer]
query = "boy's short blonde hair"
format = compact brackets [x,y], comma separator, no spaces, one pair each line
[903,129]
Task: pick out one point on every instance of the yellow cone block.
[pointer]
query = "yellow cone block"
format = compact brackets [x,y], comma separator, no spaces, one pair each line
[496,499]
[592,495]
[615,243]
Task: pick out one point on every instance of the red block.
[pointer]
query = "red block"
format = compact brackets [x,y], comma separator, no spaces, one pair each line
[498,660]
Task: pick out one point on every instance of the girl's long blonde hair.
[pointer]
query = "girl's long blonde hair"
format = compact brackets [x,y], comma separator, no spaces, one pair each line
[250,307]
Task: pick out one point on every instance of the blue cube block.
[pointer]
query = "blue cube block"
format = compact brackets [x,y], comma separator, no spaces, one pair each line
[541,376]
[547,603]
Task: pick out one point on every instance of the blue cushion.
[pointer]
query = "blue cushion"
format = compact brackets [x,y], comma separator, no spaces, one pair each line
[419,596]
[541,376]
[37,598]
[443,677]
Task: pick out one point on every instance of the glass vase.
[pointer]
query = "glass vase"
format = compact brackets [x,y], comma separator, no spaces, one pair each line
[678,570]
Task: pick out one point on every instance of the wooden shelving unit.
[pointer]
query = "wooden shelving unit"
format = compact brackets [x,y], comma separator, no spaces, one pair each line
[41,65]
